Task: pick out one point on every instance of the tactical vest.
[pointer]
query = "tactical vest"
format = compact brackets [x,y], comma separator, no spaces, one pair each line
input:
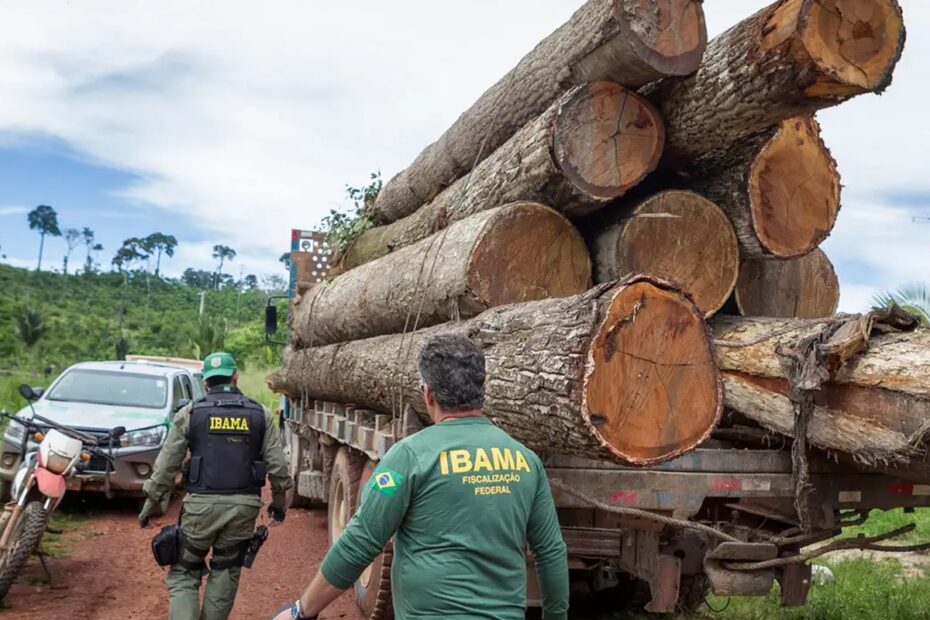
[225,440]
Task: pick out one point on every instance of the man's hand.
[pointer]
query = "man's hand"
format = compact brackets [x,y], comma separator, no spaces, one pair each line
[285,613]
[150,509]
[278,508]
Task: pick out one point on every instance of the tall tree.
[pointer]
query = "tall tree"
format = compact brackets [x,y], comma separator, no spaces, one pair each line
[914,297]
[95,251]
[72,238]
[250,282]
[44,219]
[87,236]
[132,251]
[222,253]
[197,278]
[160,243]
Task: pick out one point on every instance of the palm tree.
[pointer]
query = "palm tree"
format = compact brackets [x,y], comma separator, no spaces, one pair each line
[44,219]
[914,297]
[88,236]
[222,253]
[160,243]
[72,238]
[31,327]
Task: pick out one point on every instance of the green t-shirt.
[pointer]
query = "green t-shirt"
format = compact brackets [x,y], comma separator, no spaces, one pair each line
[462,499]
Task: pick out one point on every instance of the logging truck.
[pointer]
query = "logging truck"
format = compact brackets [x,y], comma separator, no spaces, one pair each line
[721,517]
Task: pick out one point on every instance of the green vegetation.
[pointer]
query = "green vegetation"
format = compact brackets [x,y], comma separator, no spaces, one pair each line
[342,227]
[914,297]
[49,321]
[863,589]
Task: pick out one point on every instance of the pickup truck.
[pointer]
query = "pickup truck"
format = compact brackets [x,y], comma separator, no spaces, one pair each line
[141,394]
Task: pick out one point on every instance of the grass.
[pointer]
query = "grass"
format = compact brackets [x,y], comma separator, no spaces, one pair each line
[884,521]
[864,589]
[252,383]
[53,544]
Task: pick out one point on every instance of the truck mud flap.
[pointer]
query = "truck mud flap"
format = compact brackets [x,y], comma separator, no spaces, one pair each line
[728,582]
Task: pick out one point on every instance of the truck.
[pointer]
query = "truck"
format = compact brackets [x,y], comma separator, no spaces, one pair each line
[721,518]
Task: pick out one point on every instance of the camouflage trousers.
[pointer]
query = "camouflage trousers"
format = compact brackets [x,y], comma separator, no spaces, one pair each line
[222,527]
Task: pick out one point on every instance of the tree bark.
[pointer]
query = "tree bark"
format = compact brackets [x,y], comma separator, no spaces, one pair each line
[631,42]
[622,371]
[587,149]
[802,288]
[876,403]
[780,188]
[517,252]
[791,58]
[674,235]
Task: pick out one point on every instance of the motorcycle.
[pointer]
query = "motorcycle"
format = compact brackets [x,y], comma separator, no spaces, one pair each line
[40,484]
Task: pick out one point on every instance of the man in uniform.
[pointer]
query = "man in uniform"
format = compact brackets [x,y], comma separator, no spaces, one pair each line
[462,499]
[233,444]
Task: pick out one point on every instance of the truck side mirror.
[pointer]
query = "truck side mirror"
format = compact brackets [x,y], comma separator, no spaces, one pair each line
[184,402]
[271,319]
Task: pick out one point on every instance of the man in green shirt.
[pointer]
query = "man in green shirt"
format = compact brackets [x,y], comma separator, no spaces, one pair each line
[462,499]
[233,444]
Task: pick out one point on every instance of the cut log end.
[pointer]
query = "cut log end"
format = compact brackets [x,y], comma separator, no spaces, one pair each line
[528,252]
[794,190]
[856,43]
[804,288]
[605,139]
[669,35]
[652,390]
[681,237]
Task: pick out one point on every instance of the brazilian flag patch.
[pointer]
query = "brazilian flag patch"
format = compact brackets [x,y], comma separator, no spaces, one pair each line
[387,481]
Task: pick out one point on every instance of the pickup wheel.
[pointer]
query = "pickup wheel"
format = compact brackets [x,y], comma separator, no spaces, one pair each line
[373,588]
[343,490]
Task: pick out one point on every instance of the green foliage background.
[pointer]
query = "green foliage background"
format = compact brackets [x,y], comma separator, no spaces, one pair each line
[81,316]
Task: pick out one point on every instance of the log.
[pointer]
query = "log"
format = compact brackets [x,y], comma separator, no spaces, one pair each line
[631,42]
[674,235]
[604,374]
[791,58]
[780,188]
[802,288]
[517,252]
[587,149]
[875,404]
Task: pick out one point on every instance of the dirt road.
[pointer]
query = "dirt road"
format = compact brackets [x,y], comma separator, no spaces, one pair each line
[109,572]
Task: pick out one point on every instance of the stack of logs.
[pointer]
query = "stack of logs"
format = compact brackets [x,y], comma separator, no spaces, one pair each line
[610,222]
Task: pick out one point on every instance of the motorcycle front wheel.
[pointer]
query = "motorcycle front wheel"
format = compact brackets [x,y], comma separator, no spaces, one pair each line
[26,535]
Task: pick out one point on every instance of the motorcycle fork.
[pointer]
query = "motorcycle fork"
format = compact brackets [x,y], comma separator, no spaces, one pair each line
[16,510]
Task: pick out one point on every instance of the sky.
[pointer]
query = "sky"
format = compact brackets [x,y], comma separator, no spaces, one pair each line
[233,122]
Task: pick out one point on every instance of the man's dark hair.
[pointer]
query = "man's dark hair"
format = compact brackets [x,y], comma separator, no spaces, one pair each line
[453,368]
[217,380]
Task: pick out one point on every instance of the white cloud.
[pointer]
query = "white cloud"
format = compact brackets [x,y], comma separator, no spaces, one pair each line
[856,298]
[251,119]
[6,210]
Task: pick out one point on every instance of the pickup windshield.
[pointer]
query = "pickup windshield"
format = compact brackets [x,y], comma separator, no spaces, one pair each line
[120,389]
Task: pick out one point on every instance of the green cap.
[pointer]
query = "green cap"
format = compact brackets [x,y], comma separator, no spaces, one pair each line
[220,364]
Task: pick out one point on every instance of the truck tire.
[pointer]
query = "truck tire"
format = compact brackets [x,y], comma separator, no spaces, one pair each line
[343,490]
[373,588]
[25,540]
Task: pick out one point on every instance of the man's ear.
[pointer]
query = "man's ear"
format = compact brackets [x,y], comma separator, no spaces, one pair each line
[428,396]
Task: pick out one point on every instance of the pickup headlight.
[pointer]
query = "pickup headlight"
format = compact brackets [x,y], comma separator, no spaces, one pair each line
[15,432]
[150,437]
